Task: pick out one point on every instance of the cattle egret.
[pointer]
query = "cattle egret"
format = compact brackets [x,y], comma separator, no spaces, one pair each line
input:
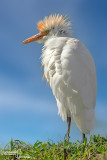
[69,70]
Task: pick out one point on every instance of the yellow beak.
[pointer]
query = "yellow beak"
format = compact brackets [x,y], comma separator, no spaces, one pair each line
[35,37]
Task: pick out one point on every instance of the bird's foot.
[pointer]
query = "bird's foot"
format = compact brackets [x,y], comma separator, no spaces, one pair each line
[83,137]
[67,138]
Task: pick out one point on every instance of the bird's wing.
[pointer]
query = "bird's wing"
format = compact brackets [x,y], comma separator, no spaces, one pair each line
[79,83]
[78,72]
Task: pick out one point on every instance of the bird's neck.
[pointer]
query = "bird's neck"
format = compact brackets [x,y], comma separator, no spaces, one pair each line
[55,42]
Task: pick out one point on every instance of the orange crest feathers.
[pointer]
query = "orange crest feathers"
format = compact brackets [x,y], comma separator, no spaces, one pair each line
[51,21]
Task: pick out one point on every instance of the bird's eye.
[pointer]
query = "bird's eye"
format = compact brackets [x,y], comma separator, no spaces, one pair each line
[62,31]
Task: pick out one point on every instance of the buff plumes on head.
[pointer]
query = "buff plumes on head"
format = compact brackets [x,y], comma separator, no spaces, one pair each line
[51,21]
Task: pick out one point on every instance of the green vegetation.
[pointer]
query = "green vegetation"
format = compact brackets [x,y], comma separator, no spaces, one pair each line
[95,149]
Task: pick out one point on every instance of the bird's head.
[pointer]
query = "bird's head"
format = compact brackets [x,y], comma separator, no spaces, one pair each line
[54,25]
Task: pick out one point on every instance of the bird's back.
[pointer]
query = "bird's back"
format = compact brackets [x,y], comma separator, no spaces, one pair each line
[70,72]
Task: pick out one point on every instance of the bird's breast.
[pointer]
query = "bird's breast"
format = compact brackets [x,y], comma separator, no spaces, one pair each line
[51,60]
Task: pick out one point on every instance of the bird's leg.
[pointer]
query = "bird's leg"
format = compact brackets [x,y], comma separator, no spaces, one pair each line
[83,136]
[68,128]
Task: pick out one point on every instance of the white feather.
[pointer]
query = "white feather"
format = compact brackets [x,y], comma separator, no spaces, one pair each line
[70,71]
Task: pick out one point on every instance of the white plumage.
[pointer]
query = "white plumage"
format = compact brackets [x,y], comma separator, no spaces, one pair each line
[70,72]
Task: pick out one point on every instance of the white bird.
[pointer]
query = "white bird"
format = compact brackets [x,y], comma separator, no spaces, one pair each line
[69,70]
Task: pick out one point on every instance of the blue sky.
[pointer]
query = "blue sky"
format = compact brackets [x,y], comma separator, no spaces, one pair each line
[28,110]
